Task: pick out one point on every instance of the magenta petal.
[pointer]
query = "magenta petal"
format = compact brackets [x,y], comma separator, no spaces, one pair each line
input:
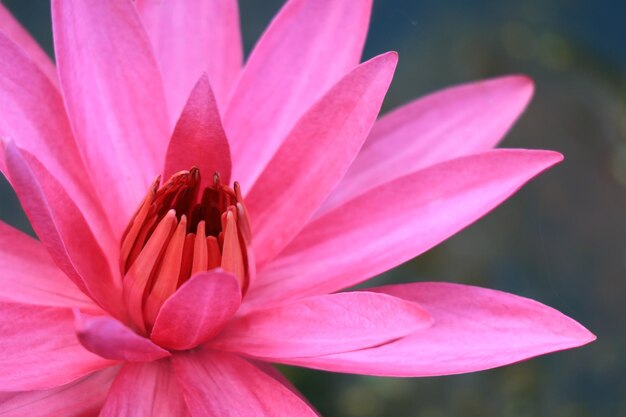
[111,339]
[40,350]
[474,329]
[307,48]
[221,384]
[114,96]
[62,228]
[199,139]
[197,311]
[271,370]
[81,398]
[145,390]
[315,155]
[322,325]
[33,116]
[29,276]
[206,39]
[454,122]
[396,222]
[14,30]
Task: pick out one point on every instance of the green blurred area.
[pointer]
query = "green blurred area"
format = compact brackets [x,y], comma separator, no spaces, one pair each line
[561,240]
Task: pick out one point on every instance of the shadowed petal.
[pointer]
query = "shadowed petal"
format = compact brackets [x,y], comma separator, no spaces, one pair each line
[307,48]
[207,39]
[114,97]
[111,339]
[81,398]
[454,122]
[146,389]
[197,311]
[62,228]
[221,384]
[315,155]
[199,139]
[396,222]
[33,116]
[322,325]
[40,350]
[474,329]
[29,276]
[14,30]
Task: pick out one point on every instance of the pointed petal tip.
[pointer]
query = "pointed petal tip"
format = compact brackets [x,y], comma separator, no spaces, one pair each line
[522,81]
[547,157]
[579,335]
[537,160]
[203,81]
[386,58]
[393,55]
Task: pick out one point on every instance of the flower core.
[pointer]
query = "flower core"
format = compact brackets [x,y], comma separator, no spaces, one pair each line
[178,231]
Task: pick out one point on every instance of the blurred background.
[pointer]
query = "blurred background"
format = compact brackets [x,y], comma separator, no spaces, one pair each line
[561,240]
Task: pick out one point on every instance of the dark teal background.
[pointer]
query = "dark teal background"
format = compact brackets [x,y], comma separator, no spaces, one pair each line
[561,240]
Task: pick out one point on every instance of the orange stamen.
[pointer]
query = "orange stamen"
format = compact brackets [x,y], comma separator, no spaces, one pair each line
[177,232]
[200,251]
[166,279]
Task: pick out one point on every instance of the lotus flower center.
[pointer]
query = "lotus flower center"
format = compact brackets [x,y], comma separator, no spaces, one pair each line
[178,231]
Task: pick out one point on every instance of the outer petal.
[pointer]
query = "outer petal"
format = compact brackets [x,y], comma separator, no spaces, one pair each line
[114,96]
[315,156]
[221,384]
[14,30]
[61,228]
[454,122]
[474,329]
[33,116]
[396,222]
[145,390]
[322,325]
[81,398]
[111,339]
[271,370]
[190,38]
[199,139]
[40,350]
[29,276]
[306,49]
[197,311]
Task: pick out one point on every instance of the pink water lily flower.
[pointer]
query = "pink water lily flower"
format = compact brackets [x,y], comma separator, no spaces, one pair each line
[197,219]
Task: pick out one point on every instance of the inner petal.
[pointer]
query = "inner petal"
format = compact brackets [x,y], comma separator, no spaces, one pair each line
[180,230]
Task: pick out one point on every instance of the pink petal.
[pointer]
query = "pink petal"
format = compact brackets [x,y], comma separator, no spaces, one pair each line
[315,156]
[62,228]
[221,384]
[81,398]
[322,325]
[396,222]
[114,97]
[145,390]
[199,139]
[40,350]
[474,329]
[197,311]
[454,122]
[206,39]
[29,276]
[271,370]
[308,47]
[33,116]
[111,339]
[14,31]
